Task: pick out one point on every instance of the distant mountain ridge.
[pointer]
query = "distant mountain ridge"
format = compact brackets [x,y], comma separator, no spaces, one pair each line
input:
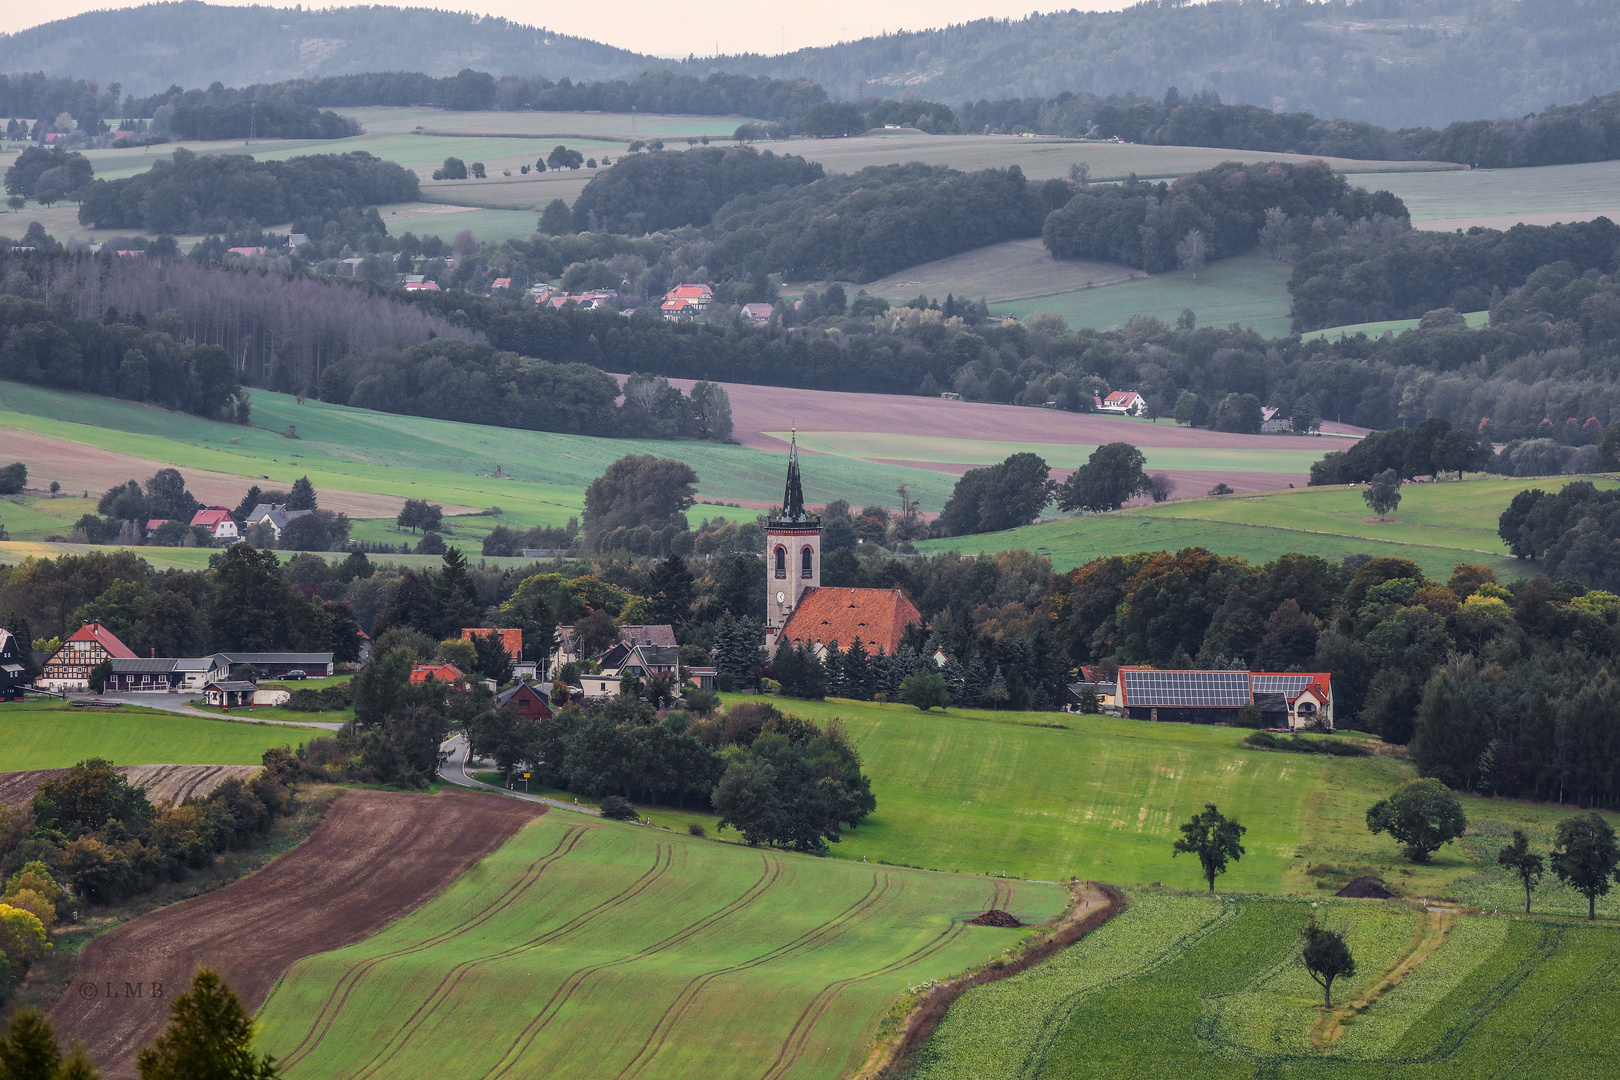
[191,43]
[1398,63]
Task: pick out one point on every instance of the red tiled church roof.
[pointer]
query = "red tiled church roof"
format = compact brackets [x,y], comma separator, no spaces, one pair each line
[877,616]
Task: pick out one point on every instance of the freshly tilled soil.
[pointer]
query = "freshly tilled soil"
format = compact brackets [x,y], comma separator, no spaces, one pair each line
[376,856]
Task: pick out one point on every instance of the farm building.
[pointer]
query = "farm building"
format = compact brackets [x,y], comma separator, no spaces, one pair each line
[798,609]
[1285,699]
[280,665]
[69,666]
[163,674]
[229,695]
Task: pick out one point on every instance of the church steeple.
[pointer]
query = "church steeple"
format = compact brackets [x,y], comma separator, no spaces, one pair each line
[793,511]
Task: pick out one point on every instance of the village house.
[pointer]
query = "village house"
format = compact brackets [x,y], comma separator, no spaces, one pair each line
[1122,403]
[758,314]
[527,701]
[678,310]
[641,661]
[68,668]
[1273,422]
[229,695]
[13,675]
[218,521]
[276,515]
[441,672]
[1291,700]
[512,641]
[163,674]
[568,649]
[697,295]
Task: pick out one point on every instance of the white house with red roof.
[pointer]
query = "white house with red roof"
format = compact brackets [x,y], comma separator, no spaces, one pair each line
[676,310]
[694,293]
[1122,403]
[760,314]
[218,521]
[69,667]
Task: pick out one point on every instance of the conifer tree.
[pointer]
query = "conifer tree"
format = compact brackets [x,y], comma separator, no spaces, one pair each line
[209,1037]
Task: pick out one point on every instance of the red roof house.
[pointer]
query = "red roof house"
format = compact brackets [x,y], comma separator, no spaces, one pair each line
[511,639]
[421,673]
[697,295]
[878,617]
[217,520]
[69,666]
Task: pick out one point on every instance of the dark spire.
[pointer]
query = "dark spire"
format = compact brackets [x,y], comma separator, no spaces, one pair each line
[793,495]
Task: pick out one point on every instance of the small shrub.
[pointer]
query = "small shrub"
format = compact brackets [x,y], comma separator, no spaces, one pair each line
[304,701]
[695,829]
[617,809]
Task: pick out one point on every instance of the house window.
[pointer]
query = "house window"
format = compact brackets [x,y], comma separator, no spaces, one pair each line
[781,562]
[804,562]
[1306,708]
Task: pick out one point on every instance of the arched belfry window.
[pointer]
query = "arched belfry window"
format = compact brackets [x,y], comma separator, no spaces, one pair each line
[781,562]
[804,562]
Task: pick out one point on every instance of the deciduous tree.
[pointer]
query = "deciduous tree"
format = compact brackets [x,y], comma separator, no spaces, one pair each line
[1212,837]
[1423,815]
[1327,958]
[1527,864]
[1586,857]
[1112,475]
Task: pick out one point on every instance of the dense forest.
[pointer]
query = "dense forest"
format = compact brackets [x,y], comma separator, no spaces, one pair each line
[259,120]
[204,193]
[663,190]
[1558,135]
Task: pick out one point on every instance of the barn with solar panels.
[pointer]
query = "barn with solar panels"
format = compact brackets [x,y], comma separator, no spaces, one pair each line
[1291,700]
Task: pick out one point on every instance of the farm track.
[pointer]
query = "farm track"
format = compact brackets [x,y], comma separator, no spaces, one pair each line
[817,935]
[572,984]
[333,1006]
[452,980]
[375,857]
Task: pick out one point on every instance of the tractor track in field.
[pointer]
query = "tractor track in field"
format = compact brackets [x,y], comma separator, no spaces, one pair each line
[799,1036]
[663,859]
[332,1007]
[572,984]
[814,937]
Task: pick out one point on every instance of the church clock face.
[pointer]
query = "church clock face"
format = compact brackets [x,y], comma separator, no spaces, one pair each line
[781,597]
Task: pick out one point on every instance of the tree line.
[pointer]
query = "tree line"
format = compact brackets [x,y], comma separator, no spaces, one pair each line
[1558,135]
[201,193]
[665,189]
[259,120]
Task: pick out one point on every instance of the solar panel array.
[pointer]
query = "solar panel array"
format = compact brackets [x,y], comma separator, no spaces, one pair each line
[1187,689]
[1281,684]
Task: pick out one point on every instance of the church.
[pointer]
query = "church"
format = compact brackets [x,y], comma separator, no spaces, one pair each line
[799,609]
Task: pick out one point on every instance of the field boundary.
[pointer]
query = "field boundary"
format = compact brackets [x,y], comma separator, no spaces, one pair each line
[891,1057]
[1310,532]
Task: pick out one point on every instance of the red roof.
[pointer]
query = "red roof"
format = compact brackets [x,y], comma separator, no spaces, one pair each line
[94,631]
[676,305]
[1121,397]
[689,291]
[511,639]
[442,672]
[1321,683]
[877,616]
[212,517]
[156,524]
[501,283]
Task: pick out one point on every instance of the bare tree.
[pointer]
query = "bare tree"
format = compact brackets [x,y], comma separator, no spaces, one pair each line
[1191,251]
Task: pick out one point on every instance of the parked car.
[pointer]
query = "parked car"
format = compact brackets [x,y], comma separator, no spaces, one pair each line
[295,673]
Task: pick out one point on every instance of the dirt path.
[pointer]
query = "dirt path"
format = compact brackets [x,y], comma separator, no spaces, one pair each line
[1430,936]
[375,857]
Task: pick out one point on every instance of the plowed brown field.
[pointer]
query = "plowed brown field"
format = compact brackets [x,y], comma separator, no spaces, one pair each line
[376,856]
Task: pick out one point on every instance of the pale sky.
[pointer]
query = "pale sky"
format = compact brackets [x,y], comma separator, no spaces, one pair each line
[663,29]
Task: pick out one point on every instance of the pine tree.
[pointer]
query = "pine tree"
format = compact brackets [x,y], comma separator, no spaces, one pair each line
[996,694]
[975,681]
[858,672]
[29,1047]
[458,597]
[833,661]
[302,496]
[209,1037]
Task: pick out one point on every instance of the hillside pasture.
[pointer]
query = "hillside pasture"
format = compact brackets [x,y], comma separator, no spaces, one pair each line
[1389,326]
[1015,270]
[592,950]
[1197,986]
[1508,194]
[1436,526]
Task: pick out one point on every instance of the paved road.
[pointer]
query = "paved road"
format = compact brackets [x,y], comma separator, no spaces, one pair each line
[178,703]
[454,770]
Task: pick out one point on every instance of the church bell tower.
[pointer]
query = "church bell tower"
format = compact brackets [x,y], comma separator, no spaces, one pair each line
[792,553]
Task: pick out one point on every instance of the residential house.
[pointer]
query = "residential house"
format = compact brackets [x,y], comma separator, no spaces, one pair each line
[229,695]
[527,701]
[153,525]
[1106,693]
[511,639]
[759,314]
[1285,699]
[1122,403]
[276,515]
[13,675]
[163,674]
[501,283]
[679,310]
[568,650]
[1273,422]
[421,286]
[69,666]
[218,521]
[421,673]
[642,661]
[696,294]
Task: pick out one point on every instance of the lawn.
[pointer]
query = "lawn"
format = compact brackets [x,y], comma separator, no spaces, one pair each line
[1436,526]
[54,735]
[1246,289]
[1193,986]
[590,949]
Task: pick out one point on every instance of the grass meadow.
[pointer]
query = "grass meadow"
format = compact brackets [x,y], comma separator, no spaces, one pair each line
[43,734]
[1247,289]
[1436,526]
[1389,326]
[1482,193]
[1198,986]
[1291,456]
[589,949]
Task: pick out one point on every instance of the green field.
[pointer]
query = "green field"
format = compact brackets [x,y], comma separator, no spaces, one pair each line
[542,482]
[1436,526]
[1191,986]
[54,735]
[1495,192]
[1246,289]
[596,950]
[1291,456]
[1390,326]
